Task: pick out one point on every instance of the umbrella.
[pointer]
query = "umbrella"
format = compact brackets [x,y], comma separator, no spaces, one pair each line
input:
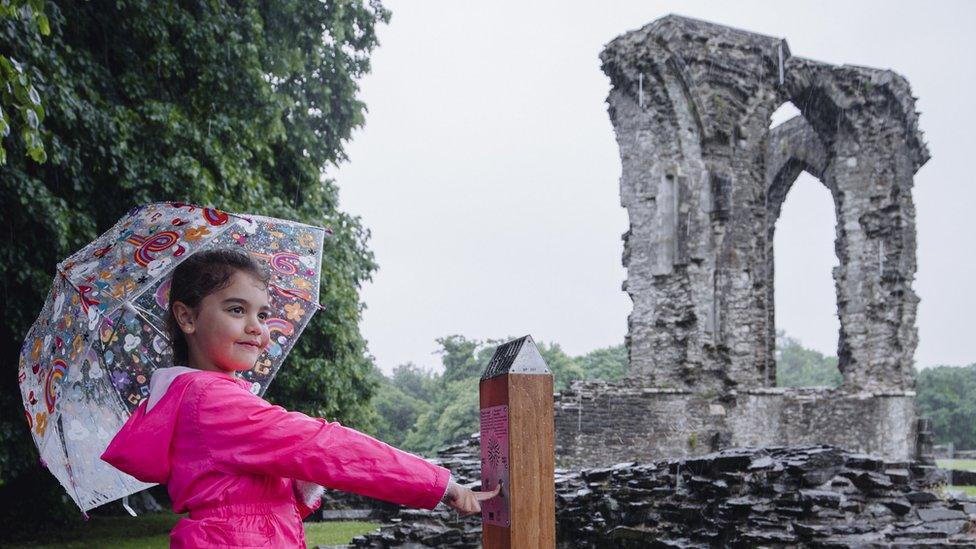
[87,359]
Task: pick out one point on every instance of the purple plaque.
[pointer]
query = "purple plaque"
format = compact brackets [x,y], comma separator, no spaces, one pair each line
[494,464]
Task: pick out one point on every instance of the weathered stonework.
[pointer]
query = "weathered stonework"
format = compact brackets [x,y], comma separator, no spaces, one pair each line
[806,496]
[603,423]
[703,180]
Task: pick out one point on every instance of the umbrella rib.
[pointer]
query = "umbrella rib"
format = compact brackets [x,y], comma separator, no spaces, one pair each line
[67,466]
[128,305]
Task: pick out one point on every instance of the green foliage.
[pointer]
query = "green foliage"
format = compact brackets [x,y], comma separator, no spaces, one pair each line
[414,381]
[445,406]
[401,400]
[565,370]
[458,356]
[453,396]
[609,363]
[797,366]
[17,91]
[235,105]
[947,396]
[452,417]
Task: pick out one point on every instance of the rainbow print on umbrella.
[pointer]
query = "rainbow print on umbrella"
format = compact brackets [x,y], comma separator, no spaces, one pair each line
[54,377]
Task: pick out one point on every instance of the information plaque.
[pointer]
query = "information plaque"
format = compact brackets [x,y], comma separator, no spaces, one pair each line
[494,463]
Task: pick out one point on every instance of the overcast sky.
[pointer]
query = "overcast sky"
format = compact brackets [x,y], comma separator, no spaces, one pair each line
[488,173]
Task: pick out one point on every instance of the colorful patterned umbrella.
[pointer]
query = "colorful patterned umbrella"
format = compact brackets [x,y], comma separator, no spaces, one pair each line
[86,362]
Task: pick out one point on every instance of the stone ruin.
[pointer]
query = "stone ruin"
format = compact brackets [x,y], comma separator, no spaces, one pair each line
[816,496]
[703,180]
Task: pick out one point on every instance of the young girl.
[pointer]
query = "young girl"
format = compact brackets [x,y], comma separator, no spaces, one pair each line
[245,470]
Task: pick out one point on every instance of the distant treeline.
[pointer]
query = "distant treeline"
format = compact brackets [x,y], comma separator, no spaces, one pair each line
[422,411]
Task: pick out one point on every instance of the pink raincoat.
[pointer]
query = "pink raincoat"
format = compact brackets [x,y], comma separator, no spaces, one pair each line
[240,465]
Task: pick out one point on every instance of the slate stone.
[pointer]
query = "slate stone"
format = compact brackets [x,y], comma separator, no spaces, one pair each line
[810,530]
[867,480]
[898,476]
[939,513]
[899,506]
[921,497]
[596,474]
[823,498]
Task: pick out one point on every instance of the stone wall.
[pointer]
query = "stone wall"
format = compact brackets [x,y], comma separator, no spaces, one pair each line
[600,423]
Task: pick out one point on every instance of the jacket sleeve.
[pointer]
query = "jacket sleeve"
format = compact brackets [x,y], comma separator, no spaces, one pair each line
[245,434]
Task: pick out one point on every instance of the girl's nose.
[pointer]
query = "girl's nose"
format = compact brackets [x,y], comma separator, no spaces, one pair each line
[253,327]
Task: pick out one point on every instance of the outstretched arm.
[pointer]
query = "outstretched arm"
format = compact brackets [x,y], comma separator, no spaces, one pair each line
[246,434]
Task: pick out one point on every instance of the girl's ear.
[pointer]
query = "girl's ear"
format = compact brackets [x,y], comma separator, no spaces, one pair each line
[184,317]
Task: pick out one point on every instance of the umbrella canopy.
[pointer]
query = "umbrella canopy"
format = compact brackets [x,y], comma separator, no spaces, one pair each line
[87,359]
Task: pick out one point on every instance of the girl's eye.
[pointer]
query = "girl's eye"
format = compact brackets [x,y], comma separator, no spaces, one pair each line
[263,316]
[237,310]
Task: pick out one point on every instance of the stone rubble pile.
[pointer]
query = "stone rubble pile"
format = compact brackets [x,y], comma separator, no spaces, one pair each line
[816,496]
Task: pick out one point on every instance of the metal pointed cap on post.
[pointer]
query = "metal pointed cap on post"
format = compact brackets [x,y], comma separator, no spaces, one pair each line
[519,356]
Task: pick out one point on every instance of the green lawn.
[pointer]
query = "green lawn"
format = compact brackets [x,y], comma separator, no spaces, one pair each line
[960,464]
[151,531]
[969,490]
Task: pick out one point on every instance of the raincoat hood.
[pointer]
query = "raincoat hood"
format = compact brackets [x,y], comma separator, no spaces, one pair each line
[141,448]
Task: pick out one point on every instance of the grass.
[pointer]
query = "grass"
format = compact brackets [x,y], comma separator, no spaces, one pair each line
[969,490]
[151,531]
[960,464]
[335,533]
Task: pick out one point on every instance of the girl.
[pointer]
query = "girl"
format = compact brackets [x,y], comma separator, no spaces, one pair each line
[247,471]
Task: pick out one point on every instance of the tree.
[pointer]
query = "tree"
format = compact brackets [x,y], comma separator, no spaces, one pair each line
[453,413]
[414,381]
[17,91]
[797,366]
[565,370]
[458,356]
[947,396]
[397,411]
[610,363]
[235,105]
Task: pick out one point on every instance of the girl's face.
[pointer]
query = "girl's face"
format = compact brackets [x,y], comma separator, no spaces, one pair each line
[229,330]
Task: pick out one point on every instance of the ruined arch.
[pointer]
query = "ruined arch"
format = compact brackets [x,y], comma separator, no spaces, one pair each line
[704,178]
[793,147]
[866,120]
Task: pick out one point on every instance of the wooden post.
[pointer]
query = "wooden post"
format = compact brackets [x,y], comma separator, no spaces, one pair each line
[517,449]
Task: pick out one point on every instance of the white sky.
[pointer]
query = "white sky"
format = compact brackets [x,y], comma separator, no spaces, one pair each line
[488,173]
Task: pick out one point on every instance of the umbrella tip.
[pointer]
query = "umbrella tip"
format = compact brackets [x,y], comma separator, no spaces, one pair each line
[43,463]
[85,515]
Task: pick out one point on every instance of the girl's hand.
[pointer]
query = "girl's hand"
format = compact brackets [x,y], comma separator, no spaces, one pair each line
[468,502]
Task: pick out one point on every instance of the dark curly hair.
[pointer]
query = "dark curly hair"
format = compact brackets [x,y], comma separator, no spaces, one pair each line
[200,275]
